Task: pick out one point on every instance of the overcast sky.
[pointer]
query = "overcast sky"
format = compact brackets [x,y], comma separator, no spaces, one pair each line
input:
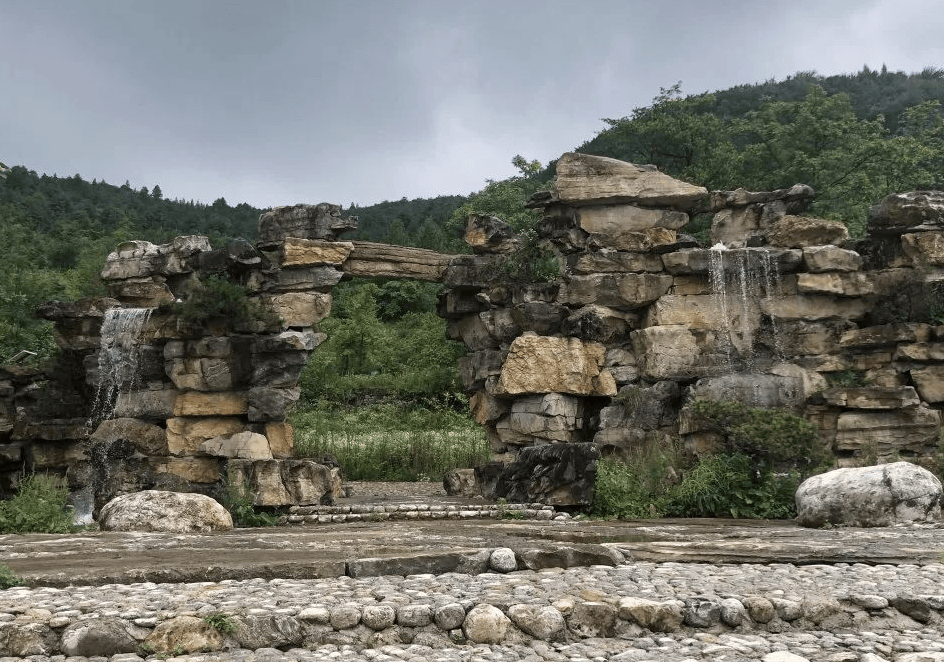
[344,101]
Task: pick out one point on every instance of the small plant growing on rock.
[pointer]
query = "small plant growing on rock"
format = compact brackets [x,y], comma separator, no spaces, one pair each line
[238,500]
[8,579]
[222,622]
[532,262]
[219,298]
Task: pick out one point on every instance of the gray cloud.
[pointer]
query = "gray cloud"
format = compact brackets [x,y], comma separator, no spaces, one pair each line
[367,100]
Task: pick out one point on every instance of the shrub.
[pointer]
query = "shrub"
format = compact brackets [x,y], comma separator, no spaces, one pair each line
[531,261]
[221,622]
[238,500]
[39,506]
[218,298]
[8,579]
[635,487]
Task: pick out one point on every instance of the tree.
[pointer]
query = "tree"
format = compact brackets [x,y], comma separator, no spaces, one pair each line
[156,193]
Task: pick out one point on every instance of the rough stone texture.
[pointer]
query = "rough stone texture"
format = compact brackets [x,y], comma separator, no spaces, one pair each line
[555,474]
[242,445]
[297,252]
[287,482]
[802,231]
[153,510]
[485,624]
[650,614]
[591,179]
[819,259]
[98,636]
[905,212]
[538,364]
[184,634]
[541,622]
[882,495]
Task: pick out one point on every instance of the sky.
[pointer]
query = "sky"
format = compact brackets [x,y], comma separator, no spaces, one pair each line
[360,101]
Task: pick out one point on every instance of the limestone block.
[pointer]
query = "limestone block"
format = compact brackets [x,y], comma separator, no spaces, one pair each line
[813,307]
[929,381]
[473,333]
[901,213]
[242,445]
[810,381]
[592,179]
[754,390]
[146,438]
[486,408]
[930,351]
[55,454]
[888,432]
[733,227]
[197,403]
[172,512]
[304,340]
[321,221]
[186,435]
[476,367]
[614,220]
[270,404]
[554,417]
[543,364]
[103,636]
[924,248]
[872,397]
[540,317]
[303,309]
[147,404]
[489,234]
[610,260]
[288,482]
[698,312]
[640,241]
[281,436]
[801,231]
[500,324]
[652,615]
[615,290]
[819,259]
[306,279]
[688,261]
[854,284]
[279,370]
[184,634]
[676,352]
[296,252]
[885,334]
[884,495]
[206,374]
[373,260]
[192,469]
[687,285]
[140,293]
[598,323]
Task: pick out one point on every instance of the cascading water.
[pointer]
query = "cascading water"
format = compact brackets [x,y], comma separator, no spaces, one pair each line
[117,358]
[734,283]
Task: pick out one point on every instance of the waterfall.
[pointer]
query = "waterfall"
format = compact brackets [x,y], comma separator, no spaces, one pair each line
[735,286]
[117,358]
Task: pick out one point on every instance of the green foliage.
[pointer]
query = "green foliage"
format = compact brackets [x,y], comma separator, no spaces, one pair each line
[723,485]
[635,487]
[39,506]
[391,441]
[8,579]
[406,357]
[847,379]
[531,261]
[767,436]
[238,500]
[221,622]
[219,298]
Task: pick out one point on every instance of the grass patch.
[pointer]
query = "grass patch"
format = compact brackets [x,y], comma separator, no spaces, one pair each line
[238,500]
[39,506]
[8,579]
[390,442]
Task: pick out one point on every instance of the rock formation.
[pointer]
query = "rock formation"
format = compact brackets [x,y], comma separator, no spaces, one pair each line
[598,334]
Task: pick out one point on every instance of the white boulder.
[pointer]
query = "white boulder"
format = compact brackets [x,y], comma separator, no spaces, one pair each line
[171,512]
[882,495]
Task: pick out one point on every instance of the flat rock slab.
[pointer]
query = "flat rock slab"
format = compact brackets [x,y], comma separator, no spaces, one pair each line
[438,546]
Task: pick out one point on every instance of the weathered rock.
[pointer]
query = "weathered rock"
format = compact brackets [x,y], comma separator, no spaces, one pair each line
[460,482]
[486,408]
[871,496]
[304,309]
[553,474]
[754,390]
[146,438]
[554,416]
[281,436]
[184,634]
[795,199]
[307,279]
[929,380]
[380,617]
[886,334]
[701,613]
[598,324]
[676,352]
[542,622]
[242,445]
[616,290]
[924,248]
[539,317]
[770,260]
[801,231]
[489,234]
[643,409]
[588,179]
[134,259]
[374,260]
[819,259]
[269,631]
[652,615]
[541,364]
[476,367]
[606,260]
[27,639]
[872,397]
[610,221]
[107,635]
[899,213]
[593,619]
[183,470]
[157,404]
[659,240]
[813,307]
[297,252]
[270,404]
[173,512]
[321,221]
[485,624]
[185,435]
[886,433]
[288,482]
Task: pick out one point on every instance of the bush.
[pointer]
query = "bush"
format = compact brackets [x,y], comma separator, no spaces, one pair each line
[531,261]
[238,500]
[634,488]
[8,579]
[38,507]
[218,298]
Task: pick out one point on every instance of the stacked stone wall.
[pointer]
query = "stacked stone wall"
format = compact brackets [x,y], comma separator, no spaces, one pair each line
[604,356]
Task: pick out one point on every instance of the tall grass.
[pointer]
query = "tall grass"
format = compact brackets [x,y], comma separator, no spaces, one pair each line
[39,506]
[390,442]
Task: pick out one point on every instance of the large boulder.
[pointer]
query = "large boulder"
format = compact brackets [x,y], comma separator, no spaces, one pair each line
[544,364]
[171,512]
[899,213]
[882,495]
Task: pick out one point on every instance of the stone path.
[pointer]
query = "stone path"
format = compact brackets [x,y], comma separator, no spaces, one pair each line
[485,589]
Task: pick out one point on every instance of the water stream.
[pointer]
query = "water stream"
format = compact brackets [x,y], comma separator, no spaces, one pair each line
[118,358]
